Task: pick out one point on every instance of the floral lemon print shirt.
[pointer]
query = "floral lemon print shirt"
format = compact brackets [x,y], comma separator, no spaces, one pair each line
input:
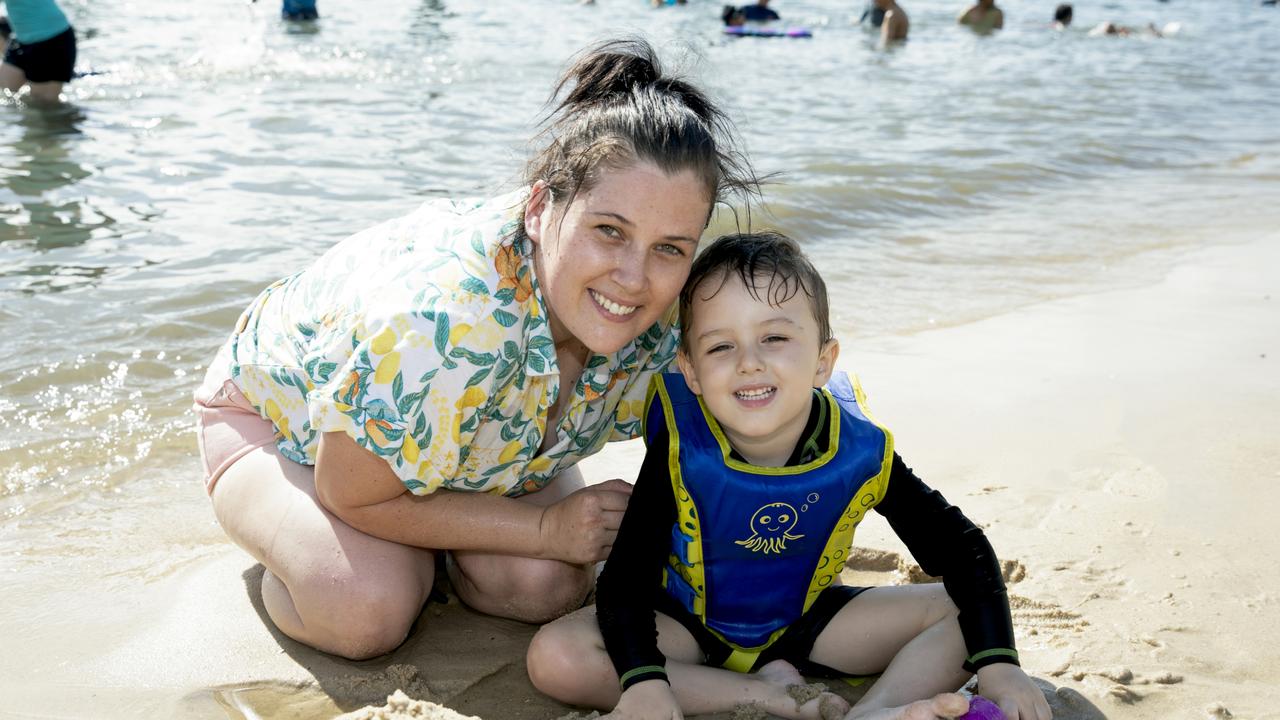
[426,340]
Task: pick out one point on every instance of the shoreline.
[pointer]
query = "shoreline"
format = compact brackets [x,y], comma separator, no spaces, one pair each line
[1116,448]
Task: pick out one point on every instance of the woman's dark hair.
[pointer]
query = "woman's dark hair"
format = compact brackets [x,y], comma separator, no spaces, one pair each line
[617,108]
[1063,14]
[771,266]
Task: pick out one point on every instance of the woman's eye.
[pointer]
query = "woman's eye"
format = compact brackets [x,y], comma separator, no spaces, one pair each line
[672,250]
[609,231]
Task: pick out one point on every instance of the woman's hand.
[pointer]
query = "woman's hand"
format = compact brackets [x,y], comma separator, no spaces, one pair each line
[580,528]
[648,700]
[1008,686]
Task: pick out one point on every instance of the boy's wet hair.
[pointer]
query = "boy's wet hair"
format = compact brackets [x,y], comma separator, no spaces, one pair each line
[6,30]
[619,108]
[771,266]
[1062,13]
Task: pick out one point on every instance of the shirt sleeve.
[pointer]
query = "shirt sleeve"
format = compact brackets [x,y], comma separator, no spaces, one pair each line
[632,575]
[947,544]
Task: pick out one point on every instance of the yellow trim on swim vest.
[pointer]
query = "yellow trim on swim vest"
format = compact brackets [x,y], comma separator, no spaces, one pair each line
[686,513]
[726,451]
[836,553]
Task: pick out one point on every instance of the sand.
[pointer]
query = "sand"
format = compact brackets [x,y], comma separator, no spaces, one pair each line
[1120,449]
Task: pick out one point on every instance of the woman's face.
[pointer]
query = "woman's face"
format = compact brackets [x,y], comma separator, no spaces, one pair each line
[612,262]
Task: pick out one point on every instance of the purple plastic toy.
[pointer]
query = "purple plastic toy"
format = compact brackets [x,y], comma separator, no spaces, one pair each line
[767,31]
[981,708]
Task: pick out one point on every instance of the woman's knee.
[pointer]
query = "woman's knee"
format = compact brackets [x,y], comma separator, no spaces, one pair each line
[358,619]
[559,587]
[533,591]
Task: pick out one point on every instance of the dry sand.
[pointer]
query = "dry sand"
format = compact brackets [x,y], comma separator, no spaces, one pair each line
[1120,449]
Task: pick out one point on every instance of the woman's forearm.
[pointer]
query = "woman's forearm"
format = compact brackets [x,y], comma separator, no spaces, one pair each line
[362,490]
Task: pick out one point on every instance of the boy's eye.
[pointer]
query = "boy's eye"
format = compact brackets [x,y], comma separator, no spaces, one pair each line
[776,338]
[717,348]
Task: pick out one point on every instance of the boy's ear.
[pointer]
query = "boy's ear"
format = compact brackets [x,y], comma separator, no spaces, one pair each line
[826,362]
[537,212]
[686,369]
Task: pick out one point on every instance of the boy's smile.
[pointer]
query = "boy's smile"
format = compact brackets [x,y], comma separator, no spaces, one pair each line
[755,364]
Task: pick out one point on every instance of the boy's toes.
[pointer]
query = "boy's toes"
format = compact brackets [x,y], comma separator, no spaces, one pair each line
[831,706]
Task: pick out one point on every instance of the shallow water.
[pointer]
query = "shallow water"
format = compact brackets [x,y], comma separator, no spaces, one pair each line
[217,148]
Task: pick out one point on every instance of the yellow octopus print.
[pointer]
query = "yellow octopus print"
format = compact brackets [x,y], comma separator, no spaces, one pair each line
[771,528]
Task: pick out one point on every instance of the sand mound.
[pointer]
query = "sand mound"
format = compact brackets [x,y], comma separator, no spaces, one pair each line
[402,707]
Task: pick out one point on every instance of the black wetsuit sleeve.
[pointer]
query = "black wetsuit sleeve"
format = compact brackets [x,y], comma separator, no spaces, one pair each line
[947,544]
[632,574]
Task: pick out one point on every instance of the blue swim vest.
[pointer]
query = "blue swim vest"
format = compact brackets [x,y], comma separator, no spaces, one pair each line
[753,547]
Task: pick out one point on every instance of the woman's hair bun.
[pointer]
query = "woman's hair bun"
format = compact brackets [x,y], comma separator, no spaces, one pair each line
[611,69]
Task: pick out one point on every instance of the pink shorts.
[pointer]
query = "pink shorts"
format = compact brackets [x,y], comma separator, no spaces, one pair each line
[227,425]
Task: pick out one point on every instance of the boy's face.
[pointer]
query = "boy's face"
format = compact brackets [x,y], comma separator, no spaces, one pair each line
[755,365]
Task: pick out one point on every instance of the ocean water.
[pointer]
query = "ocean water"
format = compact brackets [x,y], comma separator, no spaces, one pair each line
[215,148]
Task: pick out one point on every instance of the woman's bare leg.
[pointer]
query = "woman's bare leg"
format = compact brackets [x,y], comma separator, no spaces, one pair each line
[327,584]
[522,588]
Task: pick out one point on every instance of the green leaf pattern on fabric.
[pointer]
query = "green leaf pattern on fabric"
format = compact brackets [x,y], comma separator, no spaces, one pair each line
[426,340]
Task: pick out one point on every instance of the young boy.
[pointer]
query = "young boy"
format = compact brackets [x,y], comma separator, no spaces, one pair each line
[723,582]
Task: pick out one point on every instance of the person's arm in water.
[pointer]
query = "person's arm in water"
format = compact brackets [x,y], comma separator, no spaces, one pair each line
[364,492]
[947,544]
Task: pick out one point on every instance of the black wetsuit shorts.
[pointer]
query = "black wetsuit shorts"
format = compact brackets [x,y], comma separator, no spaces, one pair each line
[52,60]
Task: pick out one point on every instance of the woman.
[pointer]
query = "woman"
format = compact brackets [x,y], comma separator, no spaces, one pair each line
[421,394]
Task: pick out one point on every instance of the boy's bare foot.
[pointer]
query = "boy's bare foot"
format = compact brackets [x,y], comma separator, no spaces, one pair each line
[782,675]
[945,705]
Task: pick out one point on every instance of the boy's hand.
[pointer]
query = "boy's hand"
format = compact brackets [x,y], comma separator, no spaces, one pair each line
[648,700]
[1006,685]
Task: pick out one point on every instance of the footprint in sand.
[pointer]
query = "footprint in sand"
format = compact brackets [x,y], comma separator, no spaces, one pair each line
[1140,481]
[864,560]
[1042,616]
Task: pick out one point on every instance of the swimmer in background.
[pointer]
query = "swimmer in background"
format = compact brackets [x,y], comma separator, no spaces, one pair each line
[732,16]
[39,49]
[872,14]
[298,10]
[983,16]
[1110,28]
[895,25]
[758,12]
[1062,16]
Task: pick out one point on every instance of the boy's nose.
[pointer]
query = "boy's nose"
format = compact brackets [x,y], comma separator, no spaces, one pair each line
[749,361]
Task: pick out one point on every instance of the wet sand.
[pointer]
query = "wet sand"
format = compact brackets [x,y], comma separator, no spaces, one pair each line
[1119,449]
